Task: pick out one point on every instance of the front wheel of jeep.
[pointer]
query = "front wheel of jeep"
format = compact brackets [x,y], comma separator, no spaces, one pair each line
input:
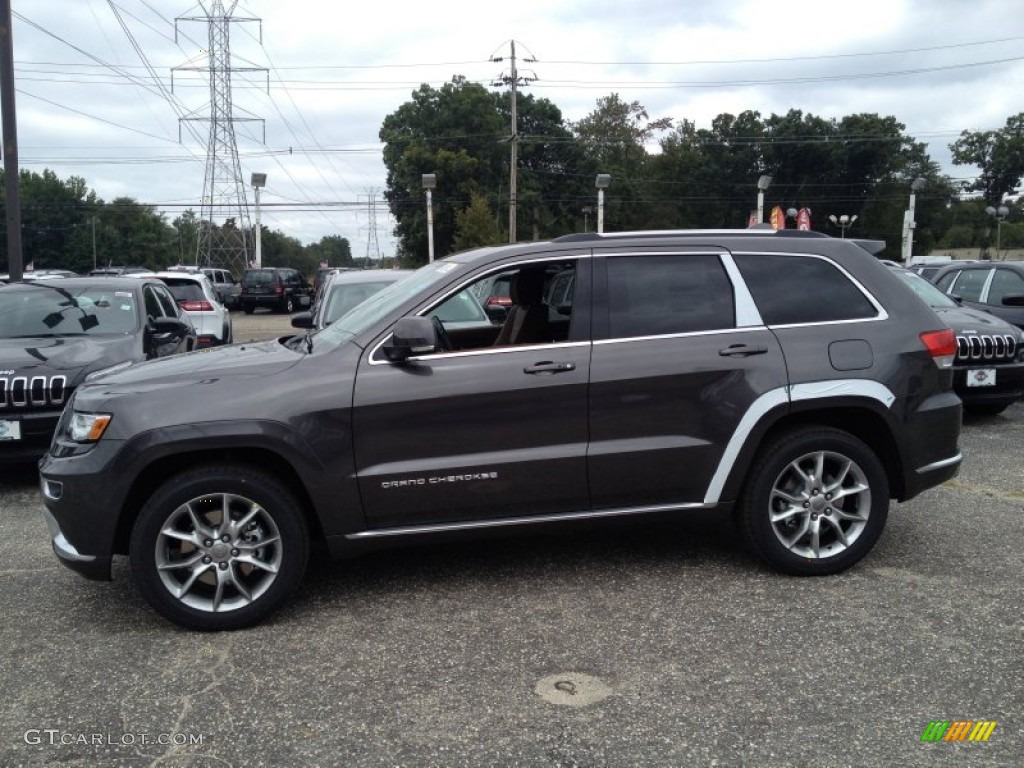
[815,503]
[219,548]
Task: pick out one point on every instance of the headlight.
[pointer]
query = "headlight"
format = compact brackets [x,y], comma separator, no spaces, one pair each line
[88,427]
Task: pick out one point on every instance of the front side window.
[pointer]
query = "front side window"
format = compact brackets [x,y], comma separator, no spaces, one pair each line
[797,290]
[970,283]
[659,295]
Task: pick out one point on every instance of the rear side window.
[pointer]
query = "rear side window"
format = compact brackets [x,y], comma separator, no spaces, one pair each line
[791,290]
[658,295]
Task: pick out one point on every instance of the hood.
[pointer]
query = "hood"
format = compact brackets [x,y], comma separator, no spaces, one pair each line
[967,319]
[201,368]
[70,356]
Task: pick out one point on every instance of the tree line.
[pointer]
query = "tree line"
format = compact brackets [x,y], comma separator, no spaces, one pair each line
[65,225]
[670,174]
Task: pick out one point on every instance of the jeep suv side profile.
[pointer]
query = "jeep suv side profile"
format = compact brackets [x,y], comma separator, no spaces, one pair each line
[785,377]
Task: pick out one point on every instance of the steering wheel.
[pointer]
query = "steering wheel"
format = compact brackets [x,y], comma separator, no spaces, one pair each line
[443,340]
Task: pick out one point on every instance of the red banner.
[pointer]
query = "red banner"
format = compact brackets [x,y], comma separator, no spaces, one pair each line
[752,220]
[803,219]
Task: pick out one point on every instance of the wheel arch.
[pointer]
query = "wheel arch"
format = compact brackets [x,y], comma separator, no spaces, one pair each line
[860,419]
[160,469]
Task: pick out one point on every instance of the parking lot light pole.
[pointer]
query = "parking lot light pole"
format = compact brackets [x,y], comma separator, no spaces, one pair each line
[258,181]
[762,184]
[430,184]
[908,222]
[1000,215]
[844,222]
[602,182]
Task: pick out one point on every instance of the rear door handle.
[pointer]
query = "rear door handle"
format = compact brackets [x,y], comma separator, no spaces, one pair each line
[549,367]
[743,350]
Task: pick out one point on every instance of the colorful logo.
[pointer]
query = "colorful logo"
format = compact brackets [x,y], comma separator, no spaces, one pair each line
[958,730]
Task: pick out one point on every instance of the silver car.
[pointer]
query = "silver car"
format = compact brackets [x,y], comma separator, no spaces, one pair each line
[197,298]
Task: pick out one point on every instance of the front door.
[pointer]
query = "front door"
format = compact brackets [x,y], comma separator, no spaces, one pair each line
[471,434]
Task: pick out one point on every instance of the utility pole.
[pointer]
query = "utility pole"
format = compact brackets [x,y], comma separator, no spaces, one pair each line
[223,188]
[372,243]
[12,202]
[512,80]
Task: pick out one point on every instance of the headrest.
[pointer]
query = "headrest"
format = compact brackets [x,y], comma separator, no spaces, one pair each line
[527,287]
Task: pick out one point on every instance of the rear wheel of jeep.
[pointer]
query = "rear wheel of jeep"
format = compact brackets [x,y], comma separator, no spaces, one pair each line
[219,548]
[816,502]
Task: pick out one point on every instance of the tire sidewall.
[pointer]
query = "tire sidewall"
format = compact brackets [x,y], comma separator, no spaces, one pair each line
[754,514]
[270,494]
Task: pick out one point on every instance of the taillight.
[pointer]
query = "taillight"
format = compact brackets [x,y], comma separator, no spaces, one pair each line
[279,290]
[941,345]
[497,301]
[196,306]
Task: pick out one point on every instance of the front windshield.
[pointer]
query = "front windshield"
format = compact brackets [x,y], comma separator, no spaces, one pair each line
[344,297]
[50,310]
[385,302]
[932,295]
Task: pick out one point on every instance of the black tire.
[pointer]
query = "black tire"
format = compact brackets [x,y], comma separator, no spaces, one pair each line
[228,334]
[847,502]
[288,305]
[248,308]
[200,580]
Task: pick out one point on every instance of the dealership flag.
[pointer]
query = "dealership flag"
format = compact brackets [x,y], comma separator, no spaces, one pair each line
[803,219]
[778,218]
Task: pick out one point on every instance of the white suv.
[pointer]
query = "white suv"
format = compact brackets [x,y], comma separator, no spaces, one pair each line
[199,301]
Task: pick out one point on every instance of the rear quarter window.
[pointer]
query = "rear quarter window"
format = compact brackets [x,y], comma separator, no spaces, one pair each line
[792,290]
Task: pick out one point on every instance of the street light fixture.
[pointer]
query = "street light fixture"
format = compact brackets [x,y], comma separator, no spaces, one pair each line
[844,222]
[258,181]
[1000,215]
[602,182]
[908,221]
[430,184]
[762,184]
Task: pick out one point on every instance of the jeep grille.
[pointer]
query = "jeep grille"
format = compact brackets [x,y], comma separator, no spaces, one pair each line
[983,347]
[32,392]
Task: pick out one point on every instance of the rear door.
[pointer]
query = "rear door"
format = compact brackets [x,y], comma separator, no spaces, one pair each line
[680,360]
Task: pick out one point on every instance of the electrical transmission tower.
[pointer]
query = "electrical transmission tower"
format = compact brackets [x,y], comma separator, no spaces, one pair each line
[225,234]
[372,244]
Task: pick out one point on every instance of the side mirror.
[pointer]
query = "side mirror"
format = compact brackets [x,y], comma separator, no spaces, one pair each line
[168,326]
[411,336]
[302,320]
[1013,300]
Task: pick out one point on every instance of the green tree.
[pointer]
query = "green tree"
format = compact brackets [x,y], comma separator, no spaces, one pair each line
[998,154]
[332,249]
[475,225]
[614,137]
[454,132]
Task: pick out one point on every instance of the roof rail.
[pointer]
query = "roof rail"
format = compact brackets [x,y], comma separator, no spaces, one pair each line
[757,230]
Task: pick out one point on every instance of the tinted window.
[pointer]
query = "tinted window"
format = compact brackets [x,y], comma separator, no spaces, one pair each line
[90,311]
[944,281]
[1006,282]
[153,307]
[801,289]
[968,286]
[186,291]
[654,295]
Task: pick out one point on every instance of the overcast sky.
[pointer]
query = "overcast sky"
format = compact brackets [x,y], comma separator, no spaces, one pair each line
[336,69]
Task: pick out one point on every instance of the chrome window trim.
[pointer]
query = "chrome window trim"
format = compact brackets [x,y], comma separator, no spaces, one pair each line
[747,313]
[983,297]
[687,334]
[475,352]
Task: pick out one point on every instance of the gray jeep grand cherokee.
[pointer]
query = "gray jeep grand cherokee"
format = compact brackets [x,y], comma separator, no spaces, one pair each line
[787,377]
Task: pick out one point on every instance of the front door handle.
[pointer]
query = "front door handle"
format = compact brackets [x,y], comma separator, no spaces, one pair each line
[549,367]
[743,350]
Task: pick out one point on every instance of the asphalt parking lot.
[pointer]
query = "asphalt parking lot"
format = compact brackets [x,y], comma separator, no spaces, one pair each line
[659,645]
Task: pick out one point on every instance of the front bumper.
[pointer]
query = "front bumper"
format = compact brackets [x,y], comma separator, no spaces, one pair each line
[1007,389]
[90,566]
[36,430]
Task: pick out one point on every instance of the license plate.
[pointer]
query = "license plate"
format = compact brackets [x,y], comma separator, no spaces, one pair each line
[981,377]
[10,430]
